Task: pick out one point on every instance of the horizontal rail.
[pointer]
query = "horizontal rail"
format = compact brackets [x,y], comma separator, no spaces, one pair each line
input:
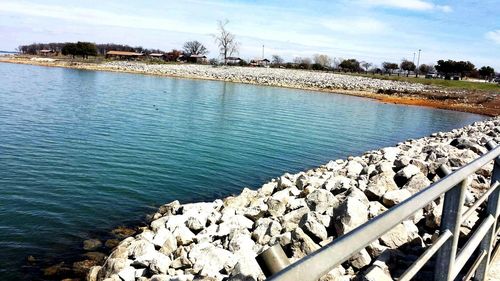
[474,267]
[472,244]
[426,256]
[320,262]
[479,201]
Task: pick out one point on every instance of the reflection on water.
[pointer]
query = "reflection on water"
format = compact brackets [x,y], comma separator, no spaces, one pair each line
[83,151]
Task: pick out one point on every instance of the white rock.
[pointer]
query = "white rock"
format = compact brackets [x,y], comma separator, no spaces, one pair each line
[127,274]
[351,213]
[395,197]
[321,200]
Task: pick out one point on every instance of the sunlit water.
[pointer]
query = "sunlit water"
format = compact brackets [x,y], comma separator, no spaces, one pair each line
[83,151]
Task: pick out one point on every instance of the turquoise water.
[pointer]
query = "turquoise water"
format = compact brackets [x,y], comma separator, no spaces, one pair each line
[83,151]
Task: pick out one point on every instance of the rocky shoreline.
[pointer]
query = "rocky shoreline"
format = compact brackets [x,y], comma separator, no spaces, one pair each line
[384,90]
[219,240]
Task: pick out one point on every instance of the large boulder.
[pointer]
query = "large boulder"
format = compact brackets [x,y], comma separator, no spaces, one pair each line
[276,207]
[313,224]
[463,143]
[353,168]
[375,273]
[209,260]
[265,228]
[302,245]
[395,197]
[400,235]
[338,184]
[140,248]
[321,200]
[380,184]
[247,268]
[403,175]
[417,183]
[291,220]
[360,259]
[350,214]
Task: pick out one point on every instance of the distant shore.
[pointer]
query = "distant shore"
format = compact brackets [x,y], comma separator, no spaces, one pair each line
[485,103]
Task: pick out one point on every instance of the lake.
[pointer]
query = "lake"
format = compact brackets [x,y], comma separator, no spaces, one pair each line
[82,152]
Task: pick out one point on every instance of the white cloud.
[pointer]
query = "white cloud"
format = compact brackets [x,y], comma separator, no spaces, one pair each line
[96,17]
[414,5]
[494,36]
[355,26]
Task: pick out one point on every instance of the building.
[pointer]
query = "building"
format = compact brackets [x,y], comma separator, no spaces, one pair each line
[260,62]
[233,60]
[156,55]
[197,59]
[123,55]
[47,53]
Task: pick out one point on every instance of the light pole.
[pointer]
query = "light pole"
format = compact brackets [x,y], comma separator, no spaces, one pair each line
[413,58]
[418,63]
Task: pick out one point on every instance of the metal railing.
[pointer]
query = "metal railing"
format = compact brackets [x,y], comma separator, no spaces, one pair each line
[450,260]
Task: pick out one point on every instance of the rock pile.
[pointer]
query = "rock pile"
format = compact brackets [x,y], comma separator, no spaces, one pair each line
[219,240]
[270,76]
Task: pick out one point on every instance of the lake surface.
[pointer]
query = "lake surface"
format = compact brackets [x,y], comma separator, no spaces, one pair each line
[83,151]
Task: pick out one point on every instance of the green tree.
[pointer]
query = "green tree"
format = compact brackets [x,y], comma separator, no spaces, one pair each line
[69,49]
[389,67]
[86,49]
[486,72]
[425,68]
[464,68]
[351,65]
[407,66]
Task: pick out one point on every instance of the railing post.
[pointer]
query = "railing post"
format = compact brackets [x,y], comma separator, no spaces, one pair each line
[272,260]
[492,209]
[450,220]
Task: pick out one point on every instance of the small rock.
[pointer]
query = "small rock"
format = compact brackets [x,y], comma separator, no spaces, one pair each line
[360,259]
[111,243]
[91,244]
[123,232]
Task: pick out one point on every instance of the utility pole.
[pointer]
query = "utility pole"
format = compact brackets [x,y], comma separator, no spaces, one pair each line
[418,62]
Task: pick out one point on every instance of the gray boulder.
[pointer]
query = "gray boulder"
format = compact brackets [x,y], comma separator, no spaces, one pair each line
[313,224]
[321,200]
[265,228]
[395,197]
[350,214]
[379,185]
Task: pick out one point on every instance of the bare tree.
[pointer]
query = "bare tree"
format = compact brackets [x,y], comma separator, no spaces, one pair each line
[323,60]
[194,48]
[336,63]
[302,62]
[277,60]
[225,40]
[366,65]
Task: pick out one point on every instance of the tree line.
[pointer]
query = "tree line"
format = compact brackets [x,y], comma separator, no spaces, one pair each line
[444,68]
[100,49]
[228,46]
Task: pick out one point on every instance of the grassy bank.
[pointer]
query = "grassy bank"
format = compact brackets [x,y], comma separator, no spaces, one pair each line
[451,84]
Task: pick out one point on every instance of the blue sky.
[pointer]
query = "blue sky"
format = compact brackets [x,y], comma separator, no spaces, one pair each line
[370,30]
